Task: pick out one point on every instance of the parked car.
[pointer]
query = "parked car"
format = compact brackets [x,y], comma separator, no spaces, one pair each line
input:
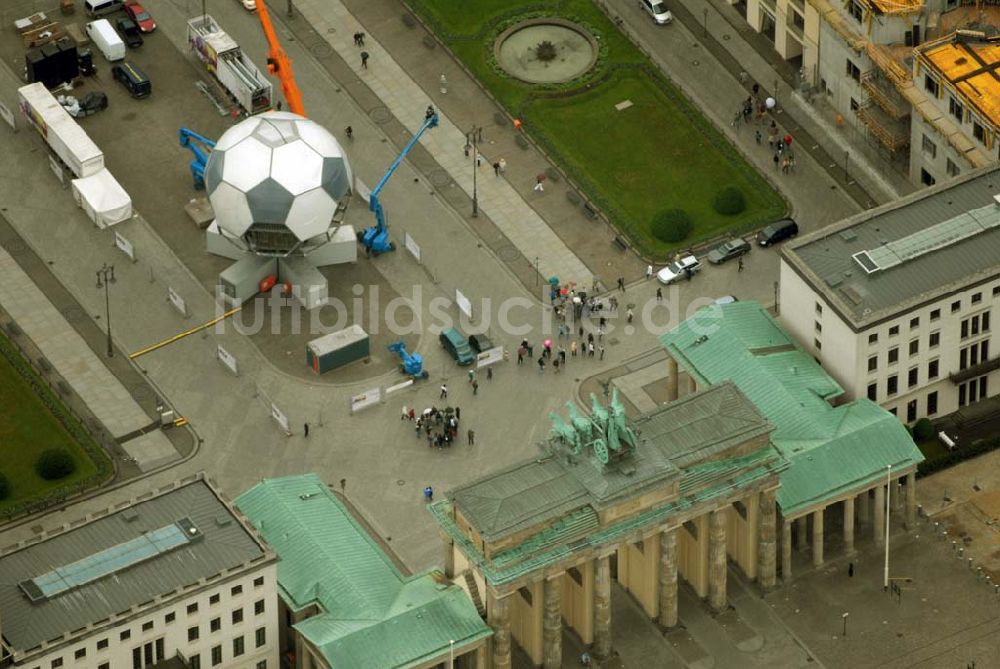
[458,348]
[778,231]
[733,248]
[249,5]
[725,299]
[657,11]
[129,32]
[685,267]
[479,343]
[138,13]
[133,79]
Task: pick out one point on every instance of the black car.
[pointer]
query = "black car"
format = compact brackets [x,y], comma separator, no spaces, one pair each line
[778,231]
[93,102]
[479,343]
[130,32]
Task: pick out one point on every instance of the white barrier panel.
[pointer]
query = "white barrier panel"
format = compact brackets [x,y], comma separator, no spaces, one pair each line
[399,386]
[57,170]
[125,246]
[7,115]
[279,416]
[464,305]
[366,399]
[229,360]
[411,246]
[489,357]
[177,301]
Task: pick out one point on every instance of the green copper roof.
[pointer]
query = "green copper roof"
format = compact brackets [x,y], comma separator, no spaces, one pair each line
[371,615]
[831,449]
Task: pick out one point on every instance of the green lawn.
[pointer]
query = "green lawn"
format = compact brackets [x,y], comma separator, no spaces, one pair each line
[661,153]
[27,428]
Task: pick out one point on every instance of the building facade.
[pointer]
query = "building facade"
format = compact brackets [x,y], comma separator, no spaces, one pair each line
[682,492]
[175,577]
[844,457]
[344,602]
[917,77]
[897,303]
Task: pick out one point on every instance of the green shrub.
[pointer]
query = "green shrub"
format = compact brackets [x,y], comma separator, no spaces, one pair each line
[672,226]
[729,201]
[4,487]
[923,430]
[54,463]
[959,454]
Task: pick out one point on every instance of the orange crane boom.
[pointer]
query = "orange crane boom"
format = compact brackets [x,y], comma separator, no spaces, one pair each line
[278,62]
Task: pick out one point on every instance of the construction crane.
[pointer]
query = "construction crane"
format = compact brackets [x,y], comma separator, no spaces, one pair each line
[187,137]
[279,64]
[376,238]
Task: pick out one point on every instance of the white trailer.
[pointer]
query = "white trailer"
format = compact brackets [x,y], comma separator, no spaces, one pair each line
[63,135]
[242,280]
[233,69]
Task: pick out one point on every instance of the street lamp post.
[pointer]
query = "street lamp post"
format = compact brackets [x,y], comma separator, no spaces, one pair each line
[845,622]
[472,138]
[451,654]
[105,276]
[888,492]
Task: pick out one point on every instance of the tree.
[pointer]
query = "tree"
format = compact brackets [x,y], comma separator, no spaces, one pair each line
[729,201]
[672,226]
[923,429]
[54,464]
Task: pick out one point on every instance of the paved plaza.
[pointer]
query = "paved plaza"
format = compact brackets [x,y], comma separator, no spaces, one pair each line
[945,616]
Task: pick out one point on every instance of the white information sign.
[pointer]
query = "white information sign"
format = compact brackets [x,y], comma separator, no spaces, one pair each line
[177,301]
[464,305]
[279,416]
[125,246]
[411,246]
[399,386]
[366,399]
[489,357]
[229,360]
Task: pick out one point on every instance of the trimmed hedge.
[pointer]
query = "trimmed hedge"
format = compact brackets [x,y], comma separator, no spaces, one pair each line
[960,454]
[4,487]
[729,201]
[672,226]
[923,430]
[54,464]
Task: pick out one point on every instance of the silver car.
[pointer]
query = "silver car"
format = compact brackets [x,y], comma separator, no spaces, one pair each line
[657,10]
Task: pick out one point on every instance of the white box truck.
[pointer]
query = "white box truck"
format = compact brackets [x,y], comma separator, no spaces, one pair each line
[63,135]
[227,62]
[106,39]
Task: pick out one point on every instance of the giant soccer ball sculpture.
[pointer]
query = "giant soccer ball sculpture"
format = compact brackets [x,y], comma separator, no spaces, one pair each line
[275,182]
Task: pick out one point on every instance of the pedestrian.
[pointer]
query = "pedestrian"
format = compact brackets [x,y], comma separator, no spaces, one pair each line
[621,283]
[503,165]
[531,350]
[444,391]
[601,348]
[539,183]
[471,436]
[784,165]
[475,387]
[629,315]
[659,294]
[520,354]
[361,39]
[479,159]
[429,494]
[364,59]
[472,375]
[757,136]
[555,365]
[850,570]
[458,413]
[562,355]
[649,272]
[585,659]
[412,414]
[496,168]
[590,349]
[357,39]
[305,429]
[541,365]
[572,348]
[739,264]
[405,414]
[776,159]
[489,373]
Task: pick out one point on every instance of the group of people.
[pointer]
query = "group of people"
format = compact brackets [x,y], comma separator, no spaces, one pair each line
[783,157]
[438,426]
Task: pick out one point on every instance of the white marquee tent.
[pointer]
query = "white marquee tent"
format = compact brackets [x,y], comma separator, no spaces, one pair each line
[103,198]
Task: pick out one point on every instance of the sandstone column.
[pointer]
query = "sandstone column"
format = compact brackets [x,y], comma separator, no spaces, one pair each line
[765,542]
[717,560]
[668,578]
[879,525]
[602,607]
[818,537]
[480,659]
[911,500]
[786,551]
[449,557]
[552,623]
[499,619]
[849,525]
[692,385]
[671,378]
[802,533]
[864,508]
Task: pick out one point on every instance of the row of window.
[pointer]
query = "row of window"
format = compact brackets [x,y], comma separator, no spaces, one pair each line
[911,407]
[935,315]
[930,148]
[239,647]
[892,355]
[912,379]
[215,624]
[956,109]
[170,617]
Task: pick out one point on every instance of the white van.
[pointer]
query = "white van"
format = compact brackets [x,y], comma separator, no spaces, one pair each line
[102,7]
[106,39]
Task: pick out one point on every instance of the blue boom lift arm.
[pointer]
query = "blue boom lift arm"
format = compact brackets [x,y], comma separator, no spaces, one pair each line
[200,156]
[376,238]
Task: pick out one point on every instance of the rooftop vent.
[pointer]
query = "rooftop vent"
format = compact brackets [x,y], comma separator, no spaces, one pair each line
[996,200]
[130,514]
[308,495]
[848,235]
[222,521]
